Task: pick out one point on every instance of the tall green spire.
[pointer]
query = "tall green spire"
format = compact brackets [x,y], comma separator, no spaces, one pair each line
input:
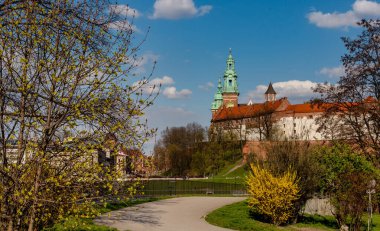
[230,76]
[218,98]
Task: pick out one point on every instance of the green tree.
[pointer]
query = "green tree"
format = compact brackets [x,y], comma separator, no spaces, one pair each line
[63,86]
[300,156]
[346,177]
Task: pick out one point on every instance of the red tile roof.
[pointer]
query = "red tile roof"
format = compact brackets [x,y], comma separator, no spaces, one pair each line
[307,108]
[246,111]
[282,105]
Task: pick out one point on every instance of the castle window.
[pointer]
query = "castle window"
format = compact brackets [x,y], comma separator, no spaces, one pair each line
[310,116]
[230,82]
[229,66]
[294,131]
[284,125]
[294,124]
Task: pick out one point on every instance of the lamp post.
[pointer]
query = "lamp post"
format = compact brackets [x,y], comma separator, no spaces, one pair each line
[370,191]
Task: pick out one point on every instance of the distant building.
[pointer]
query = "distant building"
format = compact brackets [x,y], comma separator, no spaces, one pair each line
[254,122]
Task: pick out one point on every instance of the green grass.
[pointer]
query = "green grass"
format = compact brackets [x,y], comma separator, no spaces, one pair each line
[236,216]
[81,224]
[237,176]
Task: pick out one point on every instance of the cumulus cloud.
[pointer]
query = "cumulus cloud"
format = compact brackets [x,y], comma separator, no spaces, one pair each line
[172,93]
[124,10]
[333,20]
[123,25]
[153,86]
[297,91]
[206,87]
[360,9]
[332,71]
[141,63]
[177,9]
[365,7]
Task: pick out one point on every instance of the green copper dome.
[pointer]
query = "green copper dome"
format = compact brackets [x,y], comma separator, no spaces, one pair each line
[230,76]
[218,98]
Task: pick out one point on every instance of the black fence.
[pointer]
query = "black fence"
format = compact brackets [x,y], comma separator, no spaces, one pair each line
[189,187]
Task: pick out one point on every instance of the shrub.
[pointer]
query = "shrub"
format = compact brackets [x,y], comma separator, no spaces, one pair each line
[272,197]
[346,178]
[301,157]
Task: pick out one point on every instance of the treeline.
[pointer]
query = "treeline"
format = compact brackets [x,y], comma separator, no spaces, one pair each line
[188,151]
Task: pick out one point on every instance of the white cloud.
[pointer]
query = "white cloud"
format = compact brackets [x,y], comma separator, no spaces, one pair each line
[172,93]
[124,10]
[207,86]
[123,25]
[360,9]
[332,71]
[332,20]
[297,91]
[176,9]
[153,86]
[141,62]
[365,7]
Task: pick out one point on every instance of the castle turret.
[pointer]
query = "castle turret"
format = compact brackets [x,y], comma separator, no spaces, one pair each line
[218,98]
[230,88]
[270,94]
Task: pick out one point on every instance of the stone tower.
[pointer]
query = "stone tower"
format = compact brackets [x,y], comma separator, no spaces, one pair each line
[270,94]
[230,87]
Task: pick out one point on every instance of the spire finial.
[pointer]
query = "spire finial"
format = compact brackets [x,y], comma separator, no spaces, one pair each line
[230,50]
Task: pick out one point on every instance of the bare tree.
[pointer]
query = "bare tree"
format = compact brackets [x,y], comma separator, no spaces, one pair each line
[355,100]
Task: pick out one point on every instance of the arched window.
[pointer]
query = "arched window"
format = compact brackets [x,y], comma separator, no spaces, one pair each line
[230,82]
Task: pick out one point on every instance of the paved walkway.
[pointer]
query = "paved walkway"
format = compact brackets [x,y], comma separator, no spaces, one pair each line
[183,213]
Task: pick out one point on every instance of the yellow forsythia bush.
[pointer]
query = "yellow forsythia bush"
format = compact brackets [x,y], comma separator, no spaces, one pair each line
[272,197]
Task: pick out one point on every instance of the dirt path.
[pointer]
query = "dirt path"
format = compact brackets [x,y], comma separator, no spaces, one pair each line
[234,168]
[184,213]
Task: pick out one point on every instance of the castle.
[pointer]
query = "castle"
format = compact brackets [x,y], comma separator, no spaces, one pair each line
[255,122]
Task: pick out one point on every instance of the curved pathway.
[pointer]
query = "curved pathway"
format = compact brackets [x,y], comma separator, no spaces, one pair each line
[183,213]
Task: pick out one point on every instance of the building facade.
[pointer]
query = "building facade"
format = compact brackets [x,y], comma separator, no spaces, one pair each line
[254,122]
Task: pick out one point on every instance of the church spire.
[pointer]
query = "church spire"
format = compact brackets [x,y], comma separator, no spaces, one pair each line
[270,94]
[218,98]
[230,76]
[230,86]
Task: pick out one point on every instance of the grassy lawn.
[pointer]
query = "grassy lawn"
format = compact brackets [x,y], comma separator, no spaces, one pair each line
[237,176]
[81,224]
[236,216]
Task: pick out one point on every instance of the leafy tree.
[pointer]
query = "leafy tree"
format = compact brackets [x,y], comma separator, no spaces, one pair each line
[272,197]
[63,87]
[346,177]
[354,102]
[300,156]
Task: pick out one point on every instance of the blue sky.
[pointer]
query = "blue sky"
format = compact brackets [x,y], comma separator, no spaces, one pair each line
[293,43]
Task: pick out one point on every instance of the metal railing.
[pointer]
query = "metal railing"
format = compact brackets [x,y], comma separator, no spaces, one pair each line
[170,187]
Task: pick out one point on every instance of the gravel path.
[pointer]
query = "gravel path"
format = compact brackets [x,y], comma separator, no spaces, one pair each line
[176,214]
